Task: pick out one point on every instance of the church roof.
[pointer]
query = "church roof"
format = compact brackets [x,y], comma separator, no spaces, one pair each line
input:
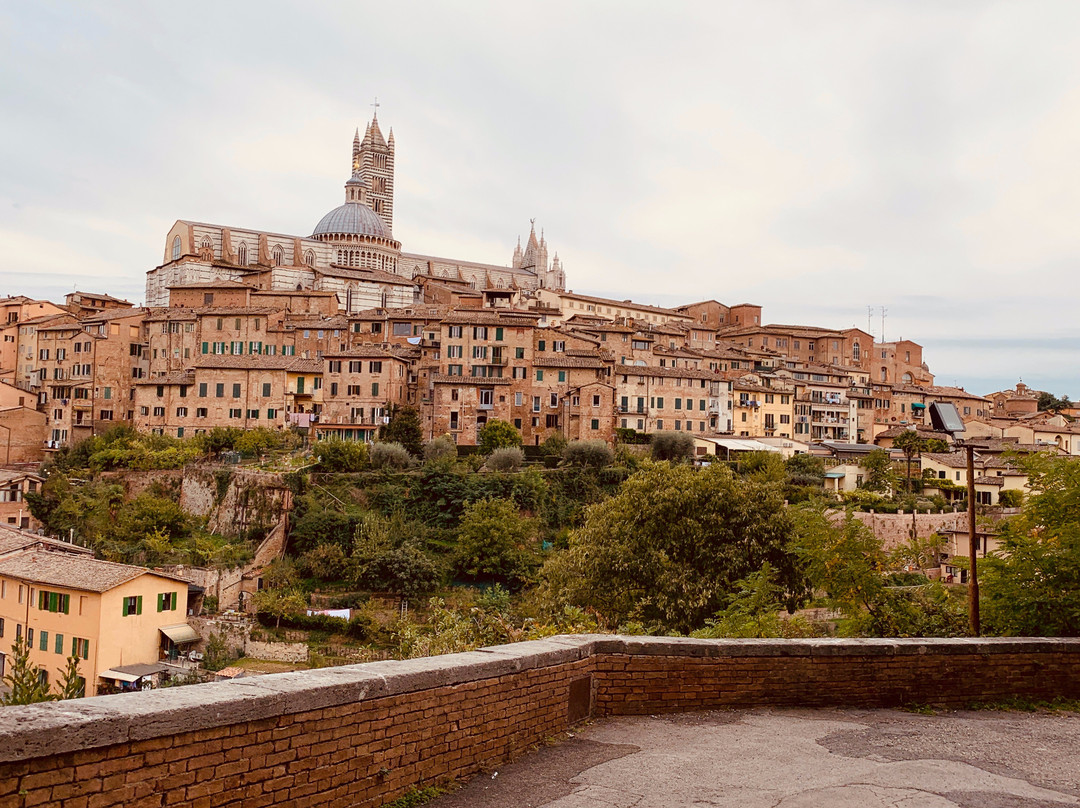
[354,218]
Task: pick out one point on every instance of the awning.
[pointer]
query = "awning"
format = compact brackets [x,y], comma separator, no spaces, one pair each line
[835,474]
[119,676]
[180,633]
[915,405]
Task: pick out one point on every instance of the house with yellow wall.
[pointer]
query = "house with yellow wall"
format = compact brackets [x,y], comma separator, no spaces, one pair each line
[120,620]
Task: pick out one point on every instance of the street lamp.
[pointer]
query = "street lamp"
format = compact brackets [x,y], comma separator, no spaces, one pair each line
[946,418]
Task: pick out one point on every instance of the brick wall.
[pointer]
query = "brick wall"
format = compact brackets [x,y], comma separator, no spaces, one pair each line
[364,734]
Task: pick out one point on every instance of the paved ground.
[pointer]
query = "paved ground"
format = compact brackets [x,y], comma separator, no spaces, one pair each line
[797,759]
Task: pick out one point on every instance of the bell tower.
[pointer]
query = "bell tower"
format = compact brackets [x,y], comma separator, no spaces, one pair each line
[373,160]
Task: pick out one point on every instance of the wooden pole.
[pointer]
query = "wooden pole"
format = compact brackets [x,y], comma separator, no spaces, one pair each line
[973,544]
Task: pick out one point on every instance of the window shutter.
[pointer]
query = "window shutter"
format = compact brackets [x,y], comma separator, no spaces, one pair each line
[498,334]
[160,602]
[59,646]
[86,649]
[74,645]
[67,604]
[41,600]
[125,607]
[44,639]
[138,605]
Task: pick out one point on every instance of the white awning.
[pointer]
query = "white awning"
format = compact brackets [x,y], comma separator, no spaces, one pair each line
[119,676]
[180,633]
[742,445]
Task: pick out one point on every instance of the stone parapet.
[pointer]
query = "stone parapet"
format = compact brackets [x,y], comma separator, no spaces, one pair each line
[363,734]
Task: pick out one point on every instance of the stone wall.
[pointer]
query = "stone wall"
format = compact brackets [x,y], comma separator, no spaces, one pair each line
[364,734]
[893,528]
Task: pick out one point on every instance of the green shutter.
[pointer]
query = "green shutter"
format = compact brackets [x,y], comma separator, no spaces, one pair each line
[206,347]
[67,604]
[125,607]
[44,641]
[160,602]
[541,345]
[54,601]
[562,375]
[498,334]
[86,649]
[138,605]
[74,645]
[58,647]
[41,600]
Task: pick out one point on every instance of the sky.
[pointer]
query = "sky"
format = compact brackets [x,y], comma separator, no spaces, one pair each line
[815,157]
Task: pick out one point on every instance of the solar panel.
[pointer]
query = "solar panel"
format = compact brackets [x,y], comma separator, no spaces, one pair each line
[945,417]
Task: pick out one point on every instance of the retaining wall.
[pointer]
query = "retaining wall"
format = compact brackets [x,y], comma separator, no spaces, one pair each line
[364,734]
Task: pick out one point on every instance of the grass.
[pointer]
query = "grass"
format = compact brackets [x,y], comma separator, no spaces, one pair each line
[1022,704]
[415,797]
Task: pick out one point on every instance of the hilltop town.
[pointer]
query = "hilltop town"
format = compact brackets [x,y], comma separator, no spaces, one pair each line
[324,340]
[331,331]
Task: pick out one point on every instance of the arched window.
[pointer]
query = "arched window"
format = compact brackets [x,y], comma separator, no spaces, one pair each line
[856,351]
[309,258]
[279,256]
[241,254]
[908,378]
[176,248]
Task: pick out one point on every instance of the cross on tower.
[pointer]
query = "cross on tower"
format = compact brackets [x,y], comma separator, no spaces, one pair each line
[376,105]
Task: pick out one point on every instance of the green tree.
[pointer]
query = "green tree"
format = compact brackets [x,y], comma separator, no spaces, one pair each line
[216,655]
[389,456]
[441,449]
[279,603]
[1031,586]
[1051,403]
[669,547]
[754,610]
[498,434]
[340,456]
[911,443]
[880,476]
[805,469]
[676,447]
[595,453]
[404,428]
[26,682]
[71,684]
[493,543]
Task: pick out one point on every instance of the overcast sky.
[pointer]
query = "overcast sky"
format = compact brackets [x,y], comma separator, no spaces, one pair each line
[813,157]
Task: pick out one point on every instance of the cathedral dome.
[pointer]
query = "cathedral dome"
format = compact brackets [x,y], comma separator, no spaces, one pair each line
[352,218]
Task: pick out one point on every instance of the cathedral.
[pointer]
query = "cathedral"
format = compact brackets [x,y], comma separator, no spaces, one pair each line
[351,252]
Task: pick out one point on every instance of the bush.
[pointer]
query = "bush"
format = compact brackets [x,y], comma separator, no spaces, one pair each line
[389,456]
[327,562]
[361,627]
[1011,499]
[509,458]
[594,453]
[442,448]
[404,428]
[340,456]
[674,446]
[554,445]
[498,434]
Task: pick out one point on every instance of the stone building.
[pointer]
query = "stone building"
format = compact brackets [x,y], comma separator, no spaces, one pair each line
[358,386]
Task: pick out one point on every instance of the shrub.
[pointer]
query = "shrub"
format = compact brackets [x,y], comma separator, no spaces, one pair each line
[1011,499]
[594,453]
[498,434]
[442,448]
[341,456]
[389,456]
[327,562]
[509,458]
[404,428]
[674,446]
[554,445]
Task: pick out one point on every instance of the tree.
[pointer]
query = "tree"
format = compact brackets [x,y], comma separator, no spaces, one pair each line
[911,443]
[509,458]
[805,469]
[878,466]
[441,448]
[389,456]
[1031,585]
[343,456]
[498,434]
[493,543]
[594,453]
[404,428]
[676,447]
[1049,402]
[26,681]
[71,684]
[669,547]
[279,603]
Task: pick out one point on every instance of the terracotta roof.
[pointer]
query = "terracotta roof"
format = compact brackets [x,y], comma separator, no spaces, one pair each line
[370,275]
[115,314]
[71,571]
[245,362]
[1000,481]
[222,284]
[170,378]
[955,460]
[507,318]
[165,315]
[478,381]
[626,304]
[548,361]
[305,365]
[674,373]
[371,352]
[13,539]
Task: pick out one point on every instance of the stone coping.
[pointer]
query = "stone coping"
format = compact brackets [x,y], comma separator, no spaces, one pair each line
[61,727]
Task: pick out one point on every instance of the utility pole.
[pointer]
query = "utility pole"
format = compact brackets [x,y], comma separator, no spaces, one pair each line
[973,544]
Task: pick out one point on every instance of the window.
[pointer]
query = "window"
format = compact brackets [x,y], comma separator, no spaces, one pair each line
[132,605]
[81,647]
[200,412]
[518,399]
[402,329]
[539,375]
[480,332]
[43,639]
[236,413]
[219,390]
[166,602]
[374,388]
[181,412]
[541,346]
[176,248]
[53,602]
[536,404]
[562,375]
[236,390]
[374,367]
[595,423]
[271,415]
[453,331]
[159,411]
[266,388]
[106,415]
[498,335]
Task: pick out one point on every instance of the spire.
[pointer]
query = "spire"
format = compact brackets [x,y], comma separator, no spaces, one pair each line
[356,151]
